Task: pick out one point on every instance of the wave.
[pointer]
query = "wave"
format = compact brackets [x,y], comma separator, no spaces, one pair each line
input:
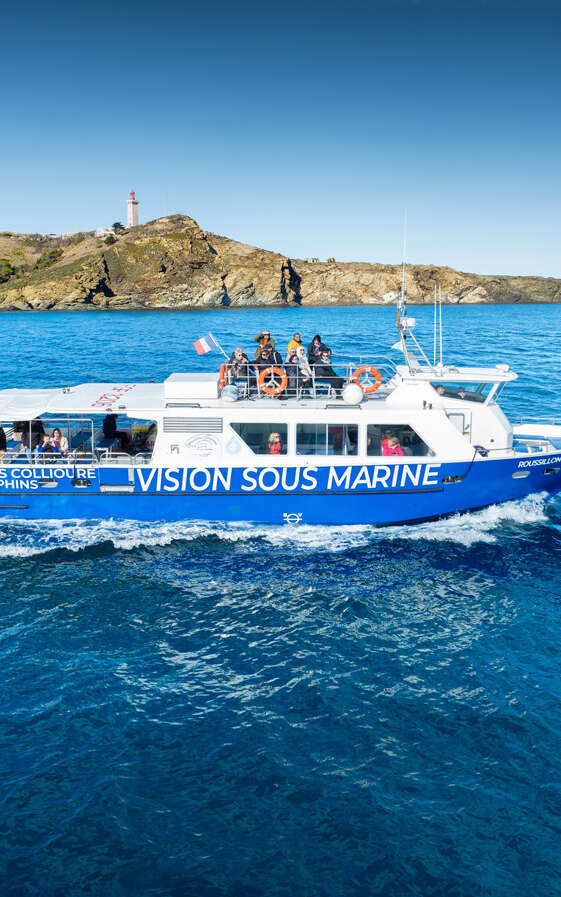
[22,539]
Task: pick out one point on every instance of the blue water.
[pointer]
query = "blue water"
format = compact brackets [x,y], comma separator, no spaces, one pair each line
[200,709]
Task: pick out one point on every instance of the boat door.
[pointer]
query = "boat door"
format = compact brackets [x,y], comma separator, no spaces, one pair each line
[462,422]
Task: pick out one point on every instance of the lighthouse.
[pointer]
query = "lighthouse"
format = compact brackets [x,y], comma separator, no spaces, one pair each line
[132,211]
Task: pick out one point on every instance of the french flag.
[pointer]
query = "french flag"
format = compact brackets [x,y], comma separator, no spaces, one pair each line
[205,344]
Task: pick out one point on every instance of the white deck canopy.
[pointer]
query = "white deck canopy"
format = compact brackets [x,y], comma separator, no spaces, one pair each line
[134,399]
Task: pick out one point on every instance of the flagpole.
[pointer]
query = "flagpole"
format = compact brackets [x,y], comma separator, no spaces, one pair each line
[226,356]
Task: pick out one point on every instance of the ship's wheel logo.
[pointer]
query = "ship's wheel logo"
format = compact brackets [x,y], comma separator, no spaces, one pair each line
[292,519]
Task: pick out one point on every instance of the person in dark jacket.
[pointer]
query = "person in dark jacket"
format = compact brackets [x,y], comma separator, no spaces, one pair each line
[267,357]
[298,378]
[3,443]
[324,373]
[110,431]
[314,349]
[239,364]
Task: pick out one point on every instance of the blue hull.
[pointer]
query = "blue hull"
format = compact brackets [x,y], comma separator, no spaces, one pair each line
[375,494]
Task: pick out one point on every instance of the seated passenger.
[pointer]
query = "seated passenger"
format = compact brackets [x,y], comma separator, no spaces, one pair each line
[292,369]
[60,441]
[392,447]
[267,357]
[387,434]
[3,443]
[110,431]
[305,377]
[314,349]
[324,373]
[263,339]
[462,394]
[275,444]
[440,389]
[294,344]
[48,447]
[239,365]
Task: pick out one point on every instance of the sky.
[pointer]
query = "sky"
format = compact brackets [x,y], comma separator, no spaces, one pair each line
[304,128]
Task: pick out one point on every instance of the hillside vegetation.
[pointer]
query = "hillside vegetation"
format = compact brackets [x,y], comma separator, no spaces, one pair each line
[172,263]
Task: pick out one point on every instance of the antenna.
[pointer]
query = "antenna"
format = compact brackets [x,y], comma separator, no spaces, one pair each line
[402,298]
[434,331]
[440,303]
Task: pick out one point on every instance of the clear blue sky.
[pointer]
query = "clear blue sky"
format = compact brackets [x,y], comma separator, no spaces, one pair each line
[300,127]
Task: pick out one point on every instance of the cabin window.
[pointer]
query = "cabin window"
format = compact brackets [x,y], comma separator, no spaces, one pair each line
[394,440]
[327,439]
[471,392]
[263,439]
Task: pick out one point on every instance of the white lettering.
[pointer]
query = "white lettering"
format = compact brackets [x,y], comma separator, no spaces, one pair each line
[310,475]
[381,476]
[249,482]
[296,479]
[224,479]
[59,474]
[171,479]
[430,476]
[193,479]
[184,479]
[362,478]
[145,482]
[334,479]
[413,475]
[27,473]
[276,478]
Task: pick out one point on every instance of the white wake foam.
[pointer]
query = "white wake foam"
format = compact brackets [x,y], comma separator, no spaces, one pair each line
[27,538]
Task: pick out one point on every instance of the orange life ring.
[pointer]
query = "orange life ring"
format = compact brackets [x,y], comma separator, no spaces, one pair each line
[370,371]
[273,388]
[222,378]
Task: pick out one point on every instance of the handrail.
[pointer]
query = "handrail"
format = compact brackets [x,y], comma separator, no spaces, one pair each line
[300,385]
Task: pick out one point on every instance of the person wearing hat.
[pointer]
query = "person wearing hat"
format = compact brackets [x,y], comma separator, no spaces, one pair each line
[263,339]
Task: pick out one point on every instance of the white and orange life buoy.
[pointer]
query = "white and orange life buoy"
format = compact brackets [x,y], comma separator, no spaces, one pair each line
[272,380]
[222,376]
[363,376]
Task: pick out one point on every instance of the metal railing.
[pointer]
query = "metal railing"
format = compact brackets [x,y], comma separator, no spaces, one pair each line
[292,381]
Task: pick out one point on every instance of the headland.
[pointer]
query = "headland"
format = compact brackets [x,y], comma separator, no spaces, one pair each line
[171,263]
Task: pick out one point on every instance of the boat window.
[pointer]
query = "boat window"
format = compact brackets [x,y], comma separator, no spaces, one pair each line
[381,440]
[474,392]
[326,439]
[263,439]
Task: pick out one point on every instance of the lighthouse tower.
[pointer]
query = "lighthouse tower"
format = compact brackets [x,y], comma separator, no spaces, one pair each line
[132,211]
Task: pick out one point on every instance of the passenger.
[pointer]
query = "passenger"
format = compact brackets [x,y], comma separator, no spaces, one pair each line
[305,373]
[387,434]
[267,357]
[110,431]
[440,389]
[314,349]
[275,444]
[3,443]
[325,373]
[392,447]
[60,441]
[263,339]
[48,447]
[462,394]
[239,364]
[292,369]
[31,436]
[294,344]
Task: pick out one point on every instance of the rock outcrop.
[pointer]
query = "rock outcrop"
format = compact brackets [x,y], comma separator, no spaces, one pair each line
[172,263]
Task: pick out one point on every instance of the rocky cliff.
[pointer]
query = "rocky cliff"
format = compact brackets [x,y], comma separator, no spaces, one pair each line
[172,263]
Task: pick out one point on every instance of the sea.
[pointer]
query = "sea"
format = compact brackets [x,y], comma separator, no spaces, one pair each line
[197,709]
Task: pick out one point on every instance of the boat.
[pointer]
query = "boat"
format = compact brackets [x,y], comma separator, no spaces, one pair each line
[389,443]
